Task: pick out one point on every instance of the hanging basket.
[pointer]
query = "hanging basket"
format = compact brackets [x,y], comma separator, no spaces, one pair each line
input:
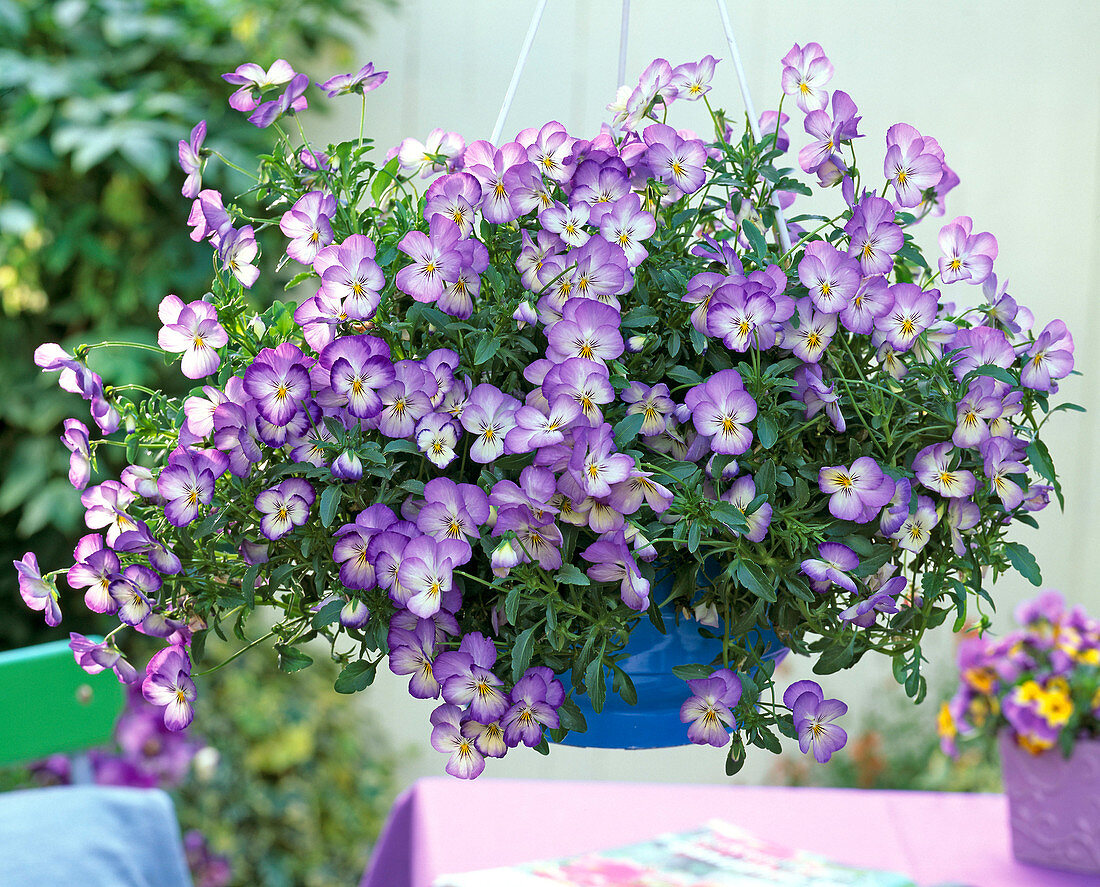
[650,656]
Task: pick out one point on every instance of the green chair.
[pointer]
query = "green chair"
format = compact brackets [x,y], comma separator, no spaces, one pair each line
[49,705]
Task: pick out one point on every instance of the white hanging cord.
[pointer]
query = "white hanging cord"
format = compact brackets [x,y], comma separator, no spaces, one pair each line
[498,128]
[622,44]
[784,235]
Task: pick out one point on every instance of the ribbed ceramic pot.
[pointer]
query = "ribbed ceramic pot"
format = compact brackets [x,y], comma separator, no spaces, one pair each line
[1054,805]
[655,721]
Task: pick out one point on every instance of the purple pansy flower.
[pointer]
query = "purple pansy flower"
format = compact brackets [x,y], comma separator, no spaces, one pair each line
[1050,358]
[452,511]
[168,683]
[350,275]
[466,762]
[190,156]
[829,132]
[916,529]
[251,79]
[489,416]
[933,469]
[534,708]
[94,658]
[292,100]
[864,612]
[187,483]
[76,441]
[1000,460]
[806,71]
[440,151]
[454,197]
[37,593]
[308,225]
[817,395]
[910,165]
[426,571]
[813,716]
[412,653]
[831,566]
[612,561]
[362,81]
[813,334]
[856,493]
[435,259]
[132,592]
[678,162]
[740,494]
[709,710]
[279,382]
[912,312]
[237,250]
[193,331]
[980,346]
[720,409]
[873,237]
[966,256]
[106,505]
[692,79]
[284,507]
[831,277]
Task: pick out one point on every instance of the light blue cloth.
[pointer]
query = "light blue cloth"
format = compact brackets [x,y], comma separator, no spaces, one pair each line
[92,836]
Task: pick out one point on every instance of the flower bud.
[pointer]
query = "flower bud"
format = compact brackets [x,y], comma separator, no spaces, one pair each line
[505,556]
[525,314]
[354,614]
[635,344]
[347,466]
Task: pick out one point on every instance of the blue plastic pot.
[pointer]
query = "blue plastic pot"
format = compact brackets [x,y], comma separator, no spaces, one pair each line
[655,721]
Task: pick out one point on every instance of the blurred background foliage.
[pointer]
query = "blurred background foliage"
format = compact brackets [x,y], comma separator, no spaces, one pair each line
[303,782]
[290,784]
[94,97]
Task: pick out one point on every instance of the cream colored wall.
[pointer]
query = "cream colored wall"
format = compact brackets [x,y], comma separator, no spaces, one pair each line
[1010,89]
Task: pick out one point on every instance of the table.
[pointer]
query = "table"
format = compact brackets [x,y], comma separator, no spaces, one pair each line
[441,826]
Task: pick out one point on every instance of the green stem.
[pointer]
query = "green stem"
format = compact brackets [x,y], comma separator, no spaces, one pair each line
[225,662]
[232,165]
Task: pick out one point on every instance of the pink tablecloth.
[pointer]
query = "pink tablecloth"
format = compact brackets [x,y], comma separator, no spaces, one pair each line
[442,826]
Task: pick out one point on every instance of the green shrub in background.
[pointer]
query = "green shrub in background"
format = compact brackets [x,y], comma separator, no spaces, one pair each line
[94,97]
[302,784]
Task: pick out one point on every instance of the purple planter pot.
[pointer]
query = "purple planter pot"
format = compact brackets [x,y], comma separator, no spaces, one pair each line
[1054,805]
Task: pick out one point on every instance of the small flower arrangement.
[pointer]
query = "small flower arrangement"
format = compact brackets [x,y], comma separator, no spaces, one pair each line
[1040,683]
[570,385]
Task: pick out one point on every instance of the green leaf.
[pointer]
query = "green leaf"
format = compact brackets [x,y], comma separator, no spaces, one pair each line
[684,375]
[486,348]
[624,686]
[385,177]
[767,431]
[755,580]
[798,588]
[291,659]
[692,671]
[694,534]
[755,238]
[330,501]
[1024,562]
[521,652]
[355,676]
[511,604]
[995,372]
[571,575]
[627,429]
[835,657]
[328,614]
[298,278]
[765,478]
[571,717]
[735,760]
[1039,456]
[594,682]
